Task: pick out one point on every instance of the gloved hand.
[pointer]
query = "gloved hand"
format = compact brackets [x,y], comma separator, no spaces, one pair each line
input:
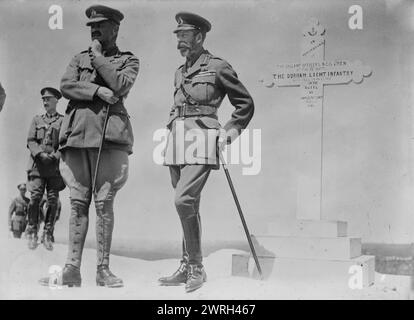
[45,158]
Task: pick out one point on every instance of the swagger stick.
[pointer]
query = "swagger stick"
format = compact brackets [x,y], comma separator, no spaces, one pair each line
[236,200]
[105,108]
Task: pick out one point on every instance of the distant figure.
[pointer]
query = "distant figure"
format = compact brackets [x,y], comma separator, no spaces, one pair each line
[18,212]
[2,96]
[201,84]
[43,169]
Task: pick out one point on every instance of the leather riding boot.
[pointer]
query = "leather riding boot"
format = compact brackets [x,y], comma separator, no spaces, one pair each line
[32,242]
[104,228]
[78,227]
[196,277]
[179,277]
[33,212]
[70,277]
[105,278]
[33,217]
[32,238]
[192,237]
[47,240]
[50,218]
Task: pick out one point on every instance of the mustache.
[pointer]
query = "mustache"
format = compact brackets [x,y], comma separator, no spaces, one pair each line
[181,45]
[96,34]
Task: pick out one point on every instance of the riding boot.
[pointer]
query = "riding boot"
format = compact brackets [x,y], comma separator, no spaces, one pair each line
[70,277]
[33,215]
[179,277]
[192,237]
[32,239]
[50,220]
[47,240]
[196,277]
[105,278]
[78,227]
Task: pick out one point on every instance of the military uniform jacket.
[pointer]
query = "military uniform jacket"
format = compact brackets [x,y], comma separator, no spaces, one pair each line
[18,207]
[44,137]
[205,83]
[85,115]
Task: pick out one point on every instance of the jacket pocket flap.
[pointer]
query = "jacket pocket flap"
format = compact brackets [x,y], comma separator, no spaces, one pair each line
[208,123]
[204,78]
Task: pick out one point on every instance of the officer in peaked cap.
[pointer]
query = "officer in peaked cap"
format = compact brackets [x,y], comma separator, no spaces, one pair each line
[43,169]
[96,82]
[201,84]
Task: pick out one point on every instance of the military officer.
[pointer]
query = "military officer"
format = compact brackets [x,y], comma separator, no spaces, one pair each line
[2,96]
[97,81]
[43,168]
[200,83]
[18,212]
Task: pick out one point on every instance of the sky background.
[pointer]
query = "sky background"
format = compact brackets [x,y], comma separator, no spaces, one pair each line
[367,127]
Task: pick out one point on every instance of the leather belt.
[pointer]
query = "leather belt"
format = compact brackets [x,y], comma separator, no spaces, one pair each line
[18,214]
[187,110]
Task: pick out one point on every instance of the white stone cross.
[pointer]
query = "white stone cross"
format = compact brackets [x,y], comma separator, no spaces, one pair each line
[311,75]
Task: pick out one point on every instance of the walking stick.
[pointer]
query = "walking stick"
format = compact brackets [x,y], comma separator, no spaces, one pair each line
[106,108]
[236,200]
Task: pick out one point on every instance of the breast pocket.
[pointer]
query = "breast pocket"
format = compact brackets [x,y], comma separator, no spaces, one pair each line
[40,132]
[203,87]
[86,72]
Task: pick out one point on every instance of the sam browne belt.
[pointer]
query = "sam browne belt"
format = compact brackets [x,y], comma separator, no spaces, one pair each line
[187,110]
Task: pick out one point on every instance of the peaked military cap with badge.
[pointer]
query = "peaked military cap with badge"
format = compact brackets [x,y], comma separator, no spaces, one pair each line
[99,13]
[191,21]
[50,92]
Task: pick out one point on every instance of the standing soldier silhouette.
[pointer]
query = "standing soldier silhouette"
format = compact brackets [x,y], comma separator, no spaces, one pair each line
[18,212]
[96,82]
[201,84]
[43,169]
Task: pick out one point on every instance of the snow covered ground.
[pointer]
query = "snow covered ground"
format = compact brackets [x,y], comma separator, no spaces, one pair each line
[21,269]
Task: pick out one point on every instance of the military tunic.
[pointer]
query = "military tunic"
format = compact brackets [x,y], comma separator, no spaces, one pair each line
[203,86]
[83,122]
[44,137]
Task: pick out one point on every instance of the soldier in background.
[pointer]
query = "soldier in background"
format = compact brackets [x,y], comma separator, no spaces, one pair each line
[43,169]
[2,97]
[18,212]
[201,84]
